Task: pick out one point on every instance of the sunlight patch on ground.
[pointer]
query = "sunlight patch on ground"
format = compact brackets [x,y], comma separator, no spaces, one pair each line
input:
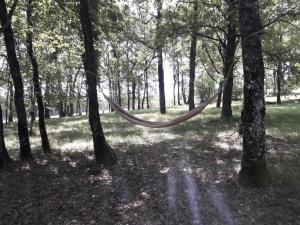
[164,170]
[158,137]
[105,176]
[77,145]
[131,205]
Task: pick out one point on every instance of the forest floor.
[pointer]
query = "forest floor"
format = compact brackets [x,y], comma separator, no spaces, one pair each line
[185,174]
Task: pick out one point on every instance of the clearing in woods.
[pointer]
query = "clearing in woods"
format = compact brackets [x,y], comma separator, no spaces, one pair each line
[185,174]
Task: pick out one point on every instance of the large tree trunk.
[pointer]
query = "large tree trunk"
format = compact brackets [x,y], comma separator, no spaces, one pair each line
[4,157]
[36,81]
[25,150]
[193,52]
[254,170]
[103,152]
[279,81]
[162,100]
[229,64]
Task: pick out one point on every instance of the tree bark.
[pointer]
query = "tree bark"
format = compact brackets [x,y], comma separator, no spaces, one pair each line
[133,94]
[128,96]
[25,150]
[174,84]
[103,152]
[119,92]
[183,90]
[229,63]
[278,81]
[4,156]
[36,81]
[193,52]
[162,100]
[178,82]
[254,170]
[139,95]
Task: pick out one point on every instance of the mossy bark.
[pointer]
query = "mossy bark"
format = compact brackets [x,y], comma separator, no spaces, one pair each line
[254,172]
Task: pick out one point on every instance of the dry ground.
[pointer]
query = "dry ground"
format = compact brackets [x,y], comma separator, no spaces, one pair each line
[182,175]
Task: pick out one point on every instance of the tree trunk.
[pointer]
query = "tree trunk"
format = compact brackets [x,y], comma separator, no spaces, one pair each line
[278,80]
[178,82]
[4,156]
[25,150]
[146,92]
[193,52]
[128,96]
[119,93]
[174,83]
[36,81]
[183,90]
[11,99]
[133,94]
[162,100]
[229,64]
[103,152]
[254,170]
[139,95]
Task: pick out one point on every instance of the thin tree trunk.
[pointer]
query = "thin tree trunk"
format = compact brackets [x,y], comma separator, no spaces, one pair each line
[25,150]
[162,100]
[178,82]
[4,156]
[11,99]
[103,152]
[278,80]
[229,63]
[36,82]
[128,96]
[193,52]
[139,95]
[119,93]
[254,170]
[133,94]
[174,84]
[183,90]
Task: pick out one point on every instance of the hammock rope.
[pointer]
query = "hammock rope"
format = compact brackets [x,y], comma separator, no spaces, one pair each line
[151,124]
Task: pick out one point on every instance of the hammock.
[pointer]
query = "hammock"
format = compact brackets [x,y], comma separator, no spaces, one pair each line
[180,119]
